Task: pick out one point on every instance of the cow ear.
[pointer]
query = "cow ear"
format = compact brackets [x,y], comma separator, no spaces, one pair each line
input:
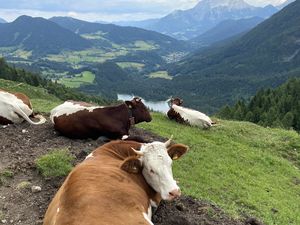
[177,150]
[129,104]
[132,165]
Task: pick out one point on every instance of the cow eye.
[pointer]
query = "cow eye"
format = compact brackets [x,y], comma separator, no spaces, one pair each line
[152,171]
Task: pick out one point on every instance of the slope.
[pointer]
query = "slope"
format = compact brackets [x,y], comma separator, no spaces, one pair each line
[245,168]
[119,34]
[40,36]
[226,29]
[41,100]
[264,57]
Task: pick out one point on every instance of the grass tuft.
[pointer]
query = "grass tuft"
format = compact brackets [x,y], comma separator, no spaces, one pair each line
[56,163]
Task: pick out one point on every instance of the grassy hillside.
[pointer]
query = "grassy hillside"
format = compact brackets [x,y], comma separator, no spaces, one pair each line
[242,167]
[41,100]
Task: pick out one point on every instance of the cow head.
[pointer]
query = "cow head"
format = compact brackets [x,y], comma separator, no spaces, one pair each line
[155,161]
[174,101]
[139,110]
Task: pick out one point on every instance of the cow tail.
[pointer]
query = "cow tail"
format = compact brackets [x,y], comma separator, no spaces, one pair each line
[21,113]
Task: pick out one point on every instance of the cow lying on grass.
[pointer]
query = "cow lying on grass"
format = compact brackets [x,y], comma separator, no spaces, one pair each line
[82,120]
[187,116]
[116,185]
[15,108]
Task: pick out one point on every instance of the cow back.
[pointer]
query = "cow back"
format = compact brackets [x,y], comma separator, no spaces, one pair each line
[98,192]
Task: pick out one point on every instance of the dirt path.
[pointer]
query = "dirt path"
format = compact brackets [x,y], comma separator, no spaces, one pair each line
[21,145]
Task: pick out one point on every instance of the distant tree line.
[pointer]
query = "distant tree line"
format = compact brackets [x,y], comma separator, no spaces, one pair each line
[279,107]
[11,73]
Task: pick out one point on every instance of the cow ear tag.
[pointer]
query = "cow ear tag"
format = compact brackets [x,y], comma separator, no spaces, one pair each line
[177,150]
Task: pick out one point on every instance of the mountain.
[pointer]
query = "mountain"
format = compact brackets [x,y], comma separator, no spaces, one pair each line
[2,20]
[119,34]
[205,15]
[141,23]
[225,30]
[264,57]
[40,36]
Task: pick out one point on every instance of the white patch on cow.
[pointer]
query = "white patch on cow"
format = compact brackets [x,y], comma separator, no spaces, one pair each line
[57,210]
[68,108]
[153,203]
[193,117]
[89,156]
[157,168]
[125,137]
[148,215]
[9,104]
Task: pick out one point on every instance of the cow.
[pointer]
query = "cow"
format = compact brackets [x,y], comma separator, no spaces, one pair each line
[82,120]
[16,107]
[117,184]
[187,116]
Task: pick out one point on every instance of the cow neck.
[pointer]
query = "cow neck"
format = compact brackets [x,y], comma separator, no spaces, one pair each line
[118,149]
[131,117]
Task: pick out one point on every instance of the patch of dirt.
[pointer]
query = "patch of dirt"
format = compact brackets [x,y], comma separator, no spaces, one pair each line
[21,144]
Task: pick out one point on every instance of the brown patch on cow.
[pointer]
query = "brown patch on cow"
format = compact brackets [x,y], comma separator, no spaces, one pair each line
[4,121]
[112,121]
[173,115]
[102,192]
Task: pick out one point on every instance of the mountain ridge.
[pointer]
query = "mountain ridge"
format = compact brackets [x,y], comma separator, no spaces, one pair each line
[40,36]
[187,24]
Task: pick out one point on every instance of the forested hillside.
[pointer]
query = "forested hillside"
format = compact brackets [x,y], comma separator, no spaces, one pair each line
[10,73]
[279,107]
[264,57]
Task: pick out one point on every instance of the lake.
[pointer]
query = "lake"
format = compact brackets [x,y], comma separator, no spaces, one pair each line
[158,106]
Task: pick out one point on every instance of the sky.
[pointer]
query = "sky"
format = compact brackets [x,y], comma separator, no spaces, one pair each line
[101,10]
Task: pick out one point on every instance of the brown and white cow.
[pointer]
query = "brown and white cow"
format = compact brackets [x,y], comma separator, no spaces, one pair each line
[187,116]
[15,108]
[116,185]
[81,120]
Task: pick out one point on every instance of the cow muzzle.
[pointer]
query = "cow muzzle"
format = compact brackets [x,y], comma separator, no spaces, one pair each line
[174,194]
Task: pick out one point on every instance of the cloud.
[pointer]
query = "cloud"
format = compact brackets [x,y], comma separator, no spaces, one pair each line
[105,10]
[11,15]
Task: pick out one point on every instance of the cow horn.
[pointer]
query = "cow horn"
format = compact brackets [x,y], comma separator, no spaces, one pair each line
[168,142]
[139,153]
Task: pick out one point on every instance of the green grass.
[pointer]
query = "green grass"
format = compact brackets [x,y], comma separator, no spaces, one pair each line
[240,166]
[160,74]
[134,65]
[144,46]
[7,173]
[55,164]
[94,36]
[92,55]
[40,99]
[86,77]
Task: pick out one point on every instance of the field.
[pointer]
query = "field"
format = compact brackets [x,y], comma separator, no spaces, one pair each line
[85,77]
[242,167]
[160,74]
[134,65]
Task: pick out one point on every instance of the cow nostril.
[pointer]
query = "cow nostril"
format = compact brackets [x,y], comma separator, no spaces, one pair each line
[175,193]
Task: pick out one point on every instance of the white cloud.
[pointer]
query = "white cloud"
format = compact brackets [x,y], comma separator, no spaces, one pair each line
[105,10]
